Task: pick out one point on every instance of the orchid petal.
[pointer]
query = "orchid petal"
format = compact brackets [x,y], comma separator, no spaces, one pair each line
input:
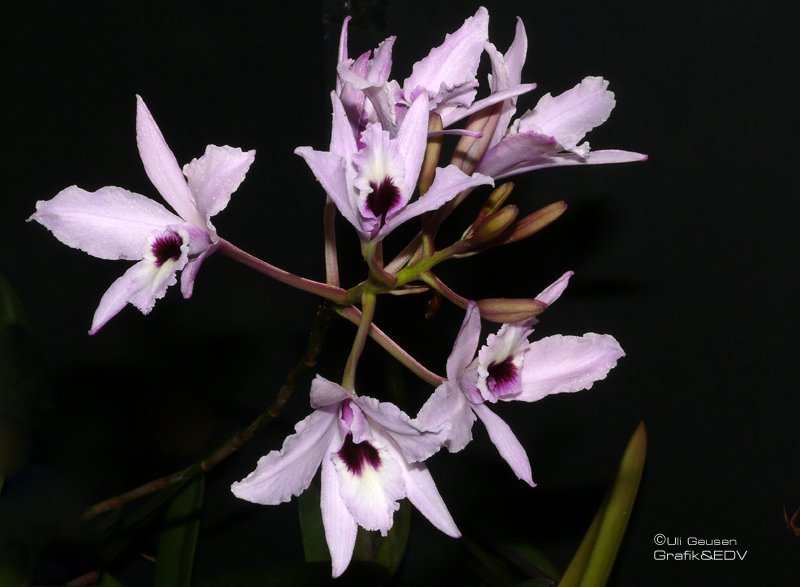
[447,184]
[141,285]
[415,444]
[161,166]
[569,116]
[371,491]
[343,54]
[460,113]
[111,223]
[281,474]
[517,152]
[215,176]
[507,72]
[564,364]
[340,527]
[448,409]
[466,343]
[452,63]
[553,291]
[412,140]
[189,272]
[422,492]
[506,442]
[329,169]
[343,141]
[326,393]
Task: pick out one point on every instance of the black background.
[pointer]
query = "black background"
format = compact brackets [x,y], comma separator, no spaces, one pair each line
[688,259]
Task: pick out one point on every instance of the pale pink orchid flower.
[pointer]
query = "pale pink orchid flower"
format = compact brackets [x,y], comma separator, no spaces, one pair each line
[371,455]
[511,368]
[447,76]
[372,183]
[114,223]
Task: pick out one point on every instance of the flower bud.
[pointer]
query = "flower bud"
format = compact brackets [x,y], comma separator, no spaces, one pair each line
[494,226]
[496,199]
[535,222]
[505,310]
[432,153]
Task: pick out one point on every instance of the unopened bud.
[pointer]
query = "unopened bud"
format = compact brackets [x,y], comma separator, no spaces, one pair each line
[494,226]
[432,153]
[535,222]
[496,199]
[505,310]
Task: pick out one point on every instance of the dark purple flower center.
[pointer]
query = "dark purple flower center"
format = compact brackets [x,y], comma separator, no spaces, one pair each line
[501,376]
[384,197]
[355,456]
[165,247]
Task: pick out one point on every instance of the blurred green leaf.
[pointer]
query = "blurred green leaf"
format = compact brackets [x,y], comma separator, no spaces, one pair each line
[315,548]
[536,583]
[390,550]
[20,384]
[358,574]
[109,580]
[15,564]
[530,561]
[592,563]
[11,311]
[492,570]
[178,540]
[115,530]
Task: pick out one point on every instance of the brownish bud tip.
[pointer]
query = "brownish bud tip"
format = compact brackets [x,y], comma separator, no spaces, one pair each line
[535,222]
[494,226]
[505,310]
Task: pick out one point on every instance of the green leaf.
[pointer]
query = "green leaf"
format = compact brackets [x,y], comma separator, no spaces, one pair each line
[109,580]
[530,561]
[178,540]
[15,563]
[358,574]
[117,529]
[390,550]
[592,563]
[492,570]
[11,311]
[315,549]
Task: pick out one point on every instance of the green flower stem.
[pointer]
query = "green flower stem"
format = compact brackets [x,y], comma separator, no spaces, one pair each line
[394,349]
[367,313]
[329,292]
[414,271]
[316,339]
[331,260]
[439,287]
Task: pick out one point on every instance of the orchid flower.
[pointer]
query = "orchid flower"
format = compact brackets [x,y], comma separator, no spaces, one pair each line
[550,135]
[372,184]
[371,456]
[114,223]
[447,76]
[510,368]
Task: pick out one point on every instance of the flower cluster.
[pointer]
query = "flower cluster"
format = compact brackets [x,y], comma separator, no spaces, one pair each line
[386,145]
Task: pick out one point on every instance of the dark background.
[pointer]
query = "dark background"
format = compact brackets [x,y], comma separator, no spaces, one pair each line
[688,259]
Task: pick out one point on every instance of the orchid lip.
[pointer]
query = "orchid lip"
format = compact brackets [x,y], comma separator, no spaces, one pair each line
[383,198]
[166,247]
[502,377]
[357,456]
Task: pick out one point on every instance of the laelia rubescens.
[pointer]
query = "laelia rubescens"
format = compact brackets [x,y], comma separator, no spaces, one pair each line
[550,134]
[371,183]
[510,368]
[371,456]
[114,223]
[447,76]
